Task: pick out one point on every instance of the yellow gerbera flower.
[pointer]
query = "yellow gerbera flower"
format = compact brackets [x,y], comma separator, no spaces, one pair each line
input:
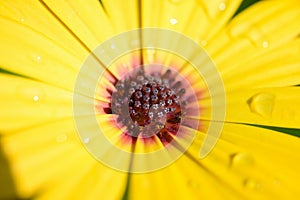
[164,99]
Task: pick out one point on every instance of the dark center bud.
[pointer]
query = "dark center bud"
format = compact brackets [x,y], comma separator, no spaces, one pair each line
[151,102]
[148,105]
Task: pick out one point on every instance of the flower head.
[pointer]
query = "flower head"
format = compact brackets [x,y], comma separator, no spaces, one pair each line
[149,99]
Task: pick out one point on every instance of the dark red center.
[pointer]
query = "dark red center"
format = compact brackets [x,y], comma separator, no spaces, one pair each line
[146,106]
[152,101]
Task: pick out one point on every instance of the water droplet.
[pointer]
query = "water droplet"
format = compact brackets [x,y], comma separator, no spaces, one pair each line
[139,94]
[140,78]
[139,87]
[276,182]
[262,104]
[173,21]
[162,103]
[61,138]
[160,114]
[169,102]
[137,104]
[163,95]
[86,140]
[112,46]
[38,59]
[31,94]
[101,51]
[222,6]
[252,184]
[131,90]
[155,106]
[242,160]
[150,51]
[172,109]
[36,98]
[134,43]
[146,106]
[203,42]
[150,114]
[147,89]
[265,44]
[146,97]
[22,19]
[154,98]
[192,184]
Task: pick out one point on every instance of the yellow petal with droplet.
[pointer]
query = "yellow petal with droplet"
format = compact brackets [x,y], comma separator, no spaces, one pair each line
[199,20]
[87,20]
[279,67]
[34,55]
[40,20]
[265,106]
[250,34]
[269,150]
[26,102]
[41,160]
[244,157]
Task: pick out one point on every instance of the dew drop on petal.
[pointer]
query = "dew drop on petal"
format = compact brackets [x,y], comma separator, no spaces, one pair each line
[252,184]
[30,94]
[222,6]
[134,43]
[242,160]
[86,140]
[35,98]
[150,51]
[38,58]
[22,19]
[61,138]
[193,184]
[203,42]
[262,104]
[173,21]
[265,44]
[276,182]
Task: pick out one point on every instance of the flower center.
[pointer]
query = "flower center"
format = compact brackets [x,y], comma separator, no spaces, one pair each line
[148,105]
[151,101]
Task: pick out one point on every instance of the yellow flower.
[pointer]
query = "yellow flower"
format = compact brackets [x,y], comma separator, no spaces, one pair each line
[45,44]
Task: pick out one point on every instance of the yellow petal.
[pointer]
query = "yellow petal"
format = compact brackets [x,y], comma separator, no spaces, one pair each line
[256,30]
[266,106]
[37,152]
[40,20]
[87,20]
[26,102]
[199,20]
[34,55]
[272,151]
[43,155]
[244,158]
[279,67]
[87,181]
[182,180]
[123,15]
